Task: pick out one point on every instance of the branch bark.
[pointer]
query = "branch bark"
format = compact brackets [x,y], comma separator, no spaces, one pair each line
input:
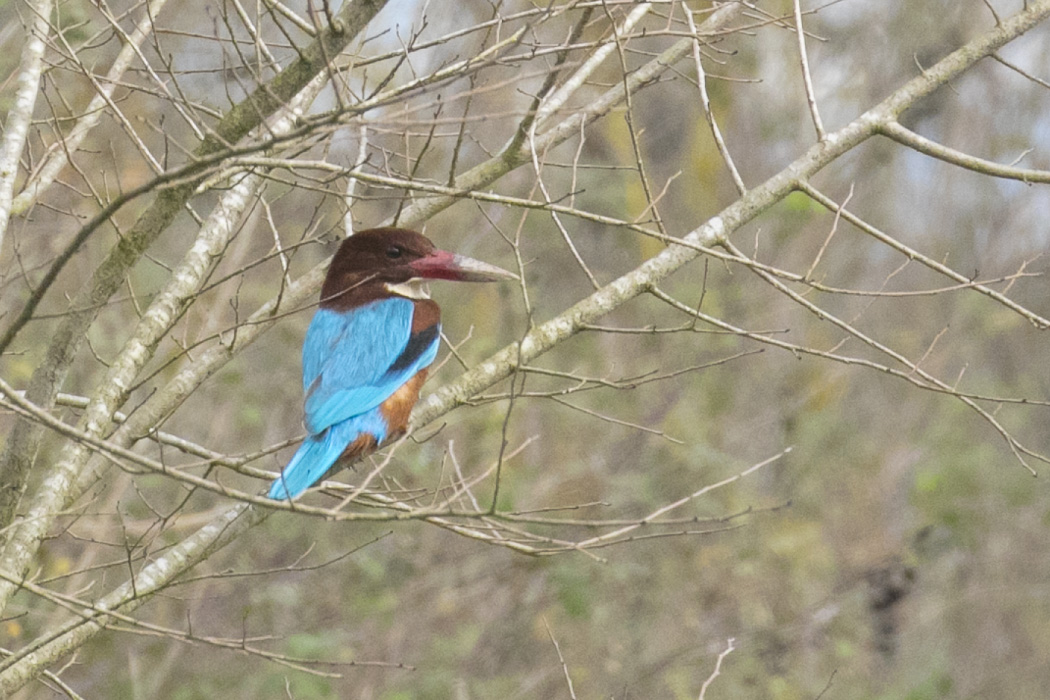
[16,126]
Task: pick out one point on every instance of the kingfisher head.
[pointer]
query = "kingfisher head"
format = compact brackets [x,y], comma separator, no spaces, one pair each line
[381,262]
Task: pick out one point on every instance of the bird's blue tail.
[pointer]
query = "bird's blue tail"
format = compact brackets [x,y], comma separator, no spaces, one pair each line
[319,452]
[315,456]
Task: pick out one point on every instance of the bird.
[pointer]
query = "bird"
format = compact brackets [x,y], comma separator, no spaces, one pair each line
[366,352]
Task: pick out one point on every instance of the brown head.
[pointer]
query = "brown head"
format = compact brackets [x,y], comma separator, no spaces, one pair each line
[383,262]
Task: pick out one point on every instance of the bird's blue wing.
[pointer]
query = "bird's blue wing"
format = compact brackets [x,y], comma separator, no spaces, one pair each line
[354,360]
[354,347]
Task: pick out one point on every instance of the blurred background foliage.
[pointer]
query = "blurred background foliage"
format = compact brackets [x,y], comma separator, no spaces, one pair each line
[898,551]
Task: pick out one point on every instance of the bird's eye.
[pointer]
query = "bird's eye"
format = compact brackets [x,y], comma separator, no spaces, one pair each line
[394,252]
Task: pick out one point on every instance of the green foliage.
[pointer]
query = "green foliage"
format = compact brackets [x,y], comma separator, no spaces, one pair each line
[573,588]
[937,685]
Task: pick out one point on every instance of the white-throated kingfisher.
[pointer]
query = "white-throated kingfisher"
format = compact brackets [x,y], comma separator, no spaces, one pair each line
[368,347]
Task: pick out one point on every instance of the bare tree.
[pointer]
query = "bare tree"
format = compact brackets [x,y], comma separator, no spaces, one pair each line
[170,182]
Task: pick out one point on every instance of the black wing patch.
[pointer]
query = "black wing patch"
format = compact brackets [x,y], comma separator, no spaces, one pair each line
[417,345]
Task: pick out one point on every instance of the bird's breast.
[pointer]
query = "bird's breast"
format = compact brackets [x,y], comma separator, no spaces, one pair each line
[397,409]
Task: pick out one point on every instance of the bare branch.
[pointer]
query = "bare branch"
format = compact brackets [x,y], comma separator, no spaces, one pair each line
[16,126]
[185,306]
[909,138]
[718,668]
[807,79]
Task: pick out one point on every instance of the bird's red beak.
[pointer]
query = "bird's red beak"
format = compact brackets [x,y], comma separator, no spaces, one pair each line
[443,265]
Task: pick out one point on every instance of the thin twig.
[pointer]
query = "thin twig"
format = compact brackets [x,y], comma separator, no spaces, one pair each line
[807,79]
[718,668]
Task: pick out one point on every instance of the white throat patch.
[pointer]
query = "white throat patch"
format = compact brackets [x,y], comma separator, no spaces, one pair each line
[415,288]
